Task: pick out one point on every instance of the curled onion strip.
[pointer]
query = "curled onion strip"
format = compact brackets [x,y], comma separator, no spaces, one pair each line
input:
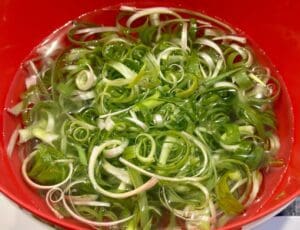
[49,199]
[38,186]
[91,168]
[145,12]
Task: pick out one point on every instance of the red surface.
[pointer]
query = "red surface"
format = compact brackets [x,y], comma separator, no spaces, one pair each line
[273,25]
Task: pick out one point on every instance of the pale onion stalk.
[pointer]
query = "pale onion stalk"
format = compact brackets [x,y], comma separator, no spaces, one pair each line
[122,186]
[95,30]
[85,197]
[134,119]
[158,119]
[107,124]
[32,68]
[30,81]
[274,144]
[50,122]
[119,173]
[211,44]
[91,173]
[13,140]
[181,71]
[183,213]
[203,72]
[117,39]
[213,213]
[149,11]
[184,37]
[212,32]
[208,60]
[235,38]
[218,68]
[245,54]
[238,184]
[45,136]
[50,200]
[122,69]
[82,219]
[159,177]
[91,203]
[81,123]
[90,222]
[154,19]
[225,84]
[17,109]
[84,95]
[166,149]
[150,156]
[203,149]
[247,129]
[86,79]
[114,113]
[257,79]
[24,135]
[165,53]
[256,184]
[128,8]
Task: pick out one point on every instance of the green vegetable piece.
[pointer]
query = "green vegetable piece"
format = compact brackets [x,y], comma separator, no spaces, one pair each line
[44,169]
[243,80]
[226,200]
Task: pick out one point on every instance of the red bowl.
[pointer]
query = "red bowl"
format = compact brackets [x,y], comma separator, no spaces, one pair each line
[273,25]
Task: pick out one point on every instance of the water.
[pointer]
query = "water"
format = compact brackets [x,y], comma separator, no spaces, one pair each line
[45,53]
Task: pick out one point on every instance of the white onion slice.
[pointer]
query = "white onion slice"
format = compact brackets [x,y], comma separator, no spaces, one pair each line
[12,141]
[149,11]
[91,173]
[16,109]
[90,222]
[235,38]
[95,30]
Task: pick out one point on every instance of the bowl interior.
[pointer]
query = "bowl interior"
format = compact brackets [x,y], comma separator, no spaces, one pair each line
[277,186]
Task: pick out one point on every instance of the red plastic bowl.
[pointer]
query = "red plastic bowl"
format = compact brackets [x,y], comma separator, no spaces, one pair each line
[273,25]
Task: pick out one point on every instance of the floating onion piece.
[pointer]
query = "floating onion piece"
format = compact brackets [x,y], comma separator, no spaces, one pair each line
[50,200]
[210,43]
[150,157]
[12,141]
[134,119]
[43,187]
[226,200]
[142,171]
[91,167]
[30,81]
[145,12]
[16,109]
[77,216]
[116,151]
[119,173]
[89,222]
[184,37]
[85,79]
[167,111]
[242,40]
[95,30]
[245,53]
[87,197]
[106,124]
[257,180]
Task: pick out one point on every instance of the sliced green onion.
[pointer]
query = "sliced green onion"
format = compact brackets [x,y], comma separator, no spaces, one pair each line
[168,111]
